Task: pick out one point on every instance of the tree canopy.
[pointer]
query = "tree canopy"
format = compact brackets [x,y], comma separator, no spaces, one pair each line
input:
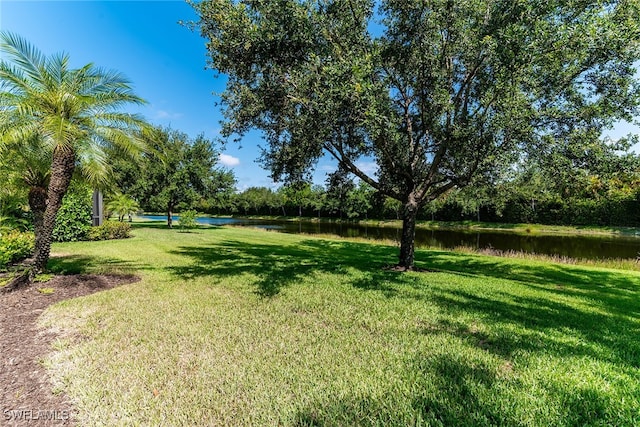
[437,92]
[176,172]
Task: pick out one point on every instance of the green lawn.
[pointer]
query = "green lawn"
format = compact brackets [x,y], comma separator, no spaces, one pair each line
[246,327]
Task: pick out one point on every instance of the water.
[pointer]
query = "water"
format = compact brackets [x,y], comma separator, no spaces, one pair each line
[589,247]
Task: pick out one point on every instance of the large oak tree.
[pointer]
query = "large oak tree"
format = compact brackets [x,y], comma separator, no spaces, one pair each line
[437,92]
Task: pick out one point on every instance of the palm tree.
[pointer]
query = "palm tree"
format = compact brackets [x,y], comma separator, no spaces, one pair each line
[123,205]
[28,165]
[74,113]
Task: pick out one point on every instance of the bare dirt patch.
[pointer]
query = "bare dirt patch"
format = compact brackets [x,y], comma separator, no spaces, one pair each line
[26,397]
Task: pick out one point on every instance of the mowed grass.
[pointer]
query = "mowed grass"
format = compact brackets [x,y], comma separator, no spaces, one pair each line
[247,327]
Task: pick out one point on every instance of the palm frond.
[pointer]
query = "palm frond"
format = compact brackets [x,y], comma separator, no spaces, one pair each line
[121,139]
[15,132]
[57,67]
[109,89]
[60,132]
[94,165]
[25,55]
[29,159]
[12,79]
[119,120]
[8,101]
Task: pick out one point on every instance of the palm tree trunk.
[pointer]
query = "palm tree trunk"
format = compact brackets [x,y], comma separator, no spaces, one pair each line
[38,206]
[62,167]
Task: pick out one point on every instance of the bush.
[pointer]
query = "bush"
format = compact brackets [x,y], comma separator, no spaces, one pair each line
[74,217]
[15,246]
[188,219]
[9,223]
[110,230]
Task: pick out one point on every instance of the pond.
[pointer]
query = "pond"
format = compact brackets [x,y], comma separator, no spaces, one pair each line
[588,247]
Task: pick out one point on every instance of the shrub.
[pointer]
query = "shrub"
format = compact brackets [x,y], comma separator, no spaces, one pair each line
[74,217]
[15,246]
[110,230]
[188,219]
[8,223]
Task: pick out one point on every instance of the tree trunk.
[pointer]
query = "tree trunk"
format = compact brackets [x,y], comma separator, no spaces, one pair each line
[407,241]
[62,167]
[169,215]
[38,205]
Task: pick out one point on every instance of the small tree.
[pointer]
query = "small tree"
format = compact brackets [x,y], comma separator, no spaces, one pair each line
[339,186]
[123,205]
[359,201]
[188,219]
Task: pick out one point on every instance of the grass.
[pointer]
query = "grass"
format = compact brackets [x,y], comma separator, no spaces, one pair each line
[533,229]
[244,327]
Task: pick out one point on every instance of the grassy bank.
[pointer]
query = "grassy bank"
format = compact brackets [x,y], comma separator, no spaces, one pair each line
[534,229]
[247,327]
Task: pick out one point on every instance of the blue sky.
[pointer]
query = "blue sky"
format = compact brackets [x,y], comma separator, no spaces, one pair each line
[164,61]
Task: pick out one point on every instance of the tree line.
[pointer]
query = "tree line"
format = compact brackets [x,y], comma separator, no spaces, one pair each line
[596,185]
[607,195]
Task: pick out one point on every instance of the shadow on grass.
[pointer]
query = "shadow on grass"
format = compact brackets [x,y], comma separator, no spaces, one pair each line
[81,264]
[149,224]
[279,266]
[608,322]
[618,292]
[452,391]
[598,308]
[600,318]
[553,310]
[445,394]
[543,326]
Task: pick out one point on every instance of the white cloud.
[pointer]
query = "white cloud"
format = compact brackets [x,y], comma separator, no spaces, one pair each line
[166,115]
[228,160]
